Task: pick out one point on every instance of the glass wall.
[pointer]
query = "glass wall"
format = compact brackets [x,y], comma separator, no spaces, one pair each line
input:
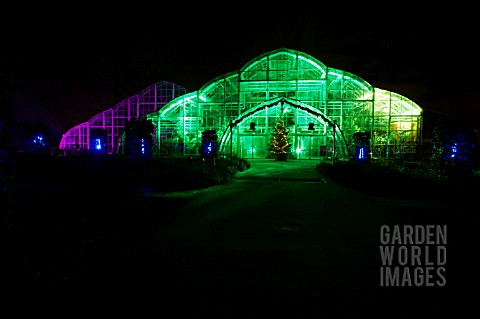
[112,121]
[322,108]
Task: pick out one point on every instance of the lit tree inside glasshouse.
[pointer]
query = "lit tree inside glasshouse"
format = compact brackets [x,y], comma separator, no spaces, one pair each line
[321,106]
[279,141]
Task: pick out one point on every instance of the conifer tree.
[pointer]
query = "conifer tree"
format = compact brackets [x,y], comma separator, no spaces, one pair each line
[279,141]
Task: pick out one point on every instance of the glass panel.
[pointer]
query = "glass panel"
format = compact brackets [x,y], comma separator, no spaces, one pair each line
[310,146]
[253,146]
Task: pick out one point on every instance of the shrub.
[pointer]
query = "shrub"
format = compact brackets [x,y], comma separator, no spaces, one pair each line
[389,178]
[119,173]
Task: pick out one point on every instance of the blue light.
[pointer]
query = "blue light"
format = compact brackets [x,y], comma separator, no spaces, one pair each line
[143,146]
[98,144]
[209,144]
[39,140]
[361,153]
[454,150]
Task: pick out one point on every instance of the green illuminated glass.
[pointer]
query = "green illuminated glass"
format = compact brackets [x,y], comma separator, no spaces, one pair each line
[298,89]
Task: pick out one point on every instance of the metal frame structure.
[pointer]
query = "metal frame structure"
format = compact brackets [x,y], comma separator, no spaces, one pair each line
[112,121]
[303,92]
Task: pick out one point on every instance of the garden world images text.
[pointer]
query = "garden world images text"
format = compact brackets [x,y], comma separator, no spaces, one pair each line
[413,255]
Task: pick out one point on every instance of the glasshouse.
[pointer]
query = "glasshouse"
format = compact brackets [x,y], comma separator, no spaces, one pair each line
[281,102]
[105,131]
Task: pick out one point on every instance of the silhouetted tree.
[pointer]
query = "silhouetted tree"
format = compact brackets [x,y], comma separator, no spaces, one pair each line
[361,145]
[139,138]
[37,138]
[209,144]
[7,148]
[455,146]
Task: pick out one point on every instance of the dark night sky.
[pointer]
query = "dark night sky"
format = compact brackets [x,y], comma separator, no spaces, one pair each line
[67,68]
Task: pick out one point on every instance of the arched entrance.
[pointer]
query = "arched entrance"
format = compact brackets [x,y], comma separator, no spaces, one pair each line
[312,135]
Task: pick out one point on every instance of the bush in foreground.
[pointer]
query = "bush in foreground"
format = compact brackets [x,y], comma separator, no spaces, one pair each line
[126,174]
[411,180]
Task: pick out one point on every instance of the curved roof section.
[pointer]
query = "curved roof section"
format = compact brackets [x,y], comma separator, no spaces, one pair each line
[285,70]
[261,67]
[113,120]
